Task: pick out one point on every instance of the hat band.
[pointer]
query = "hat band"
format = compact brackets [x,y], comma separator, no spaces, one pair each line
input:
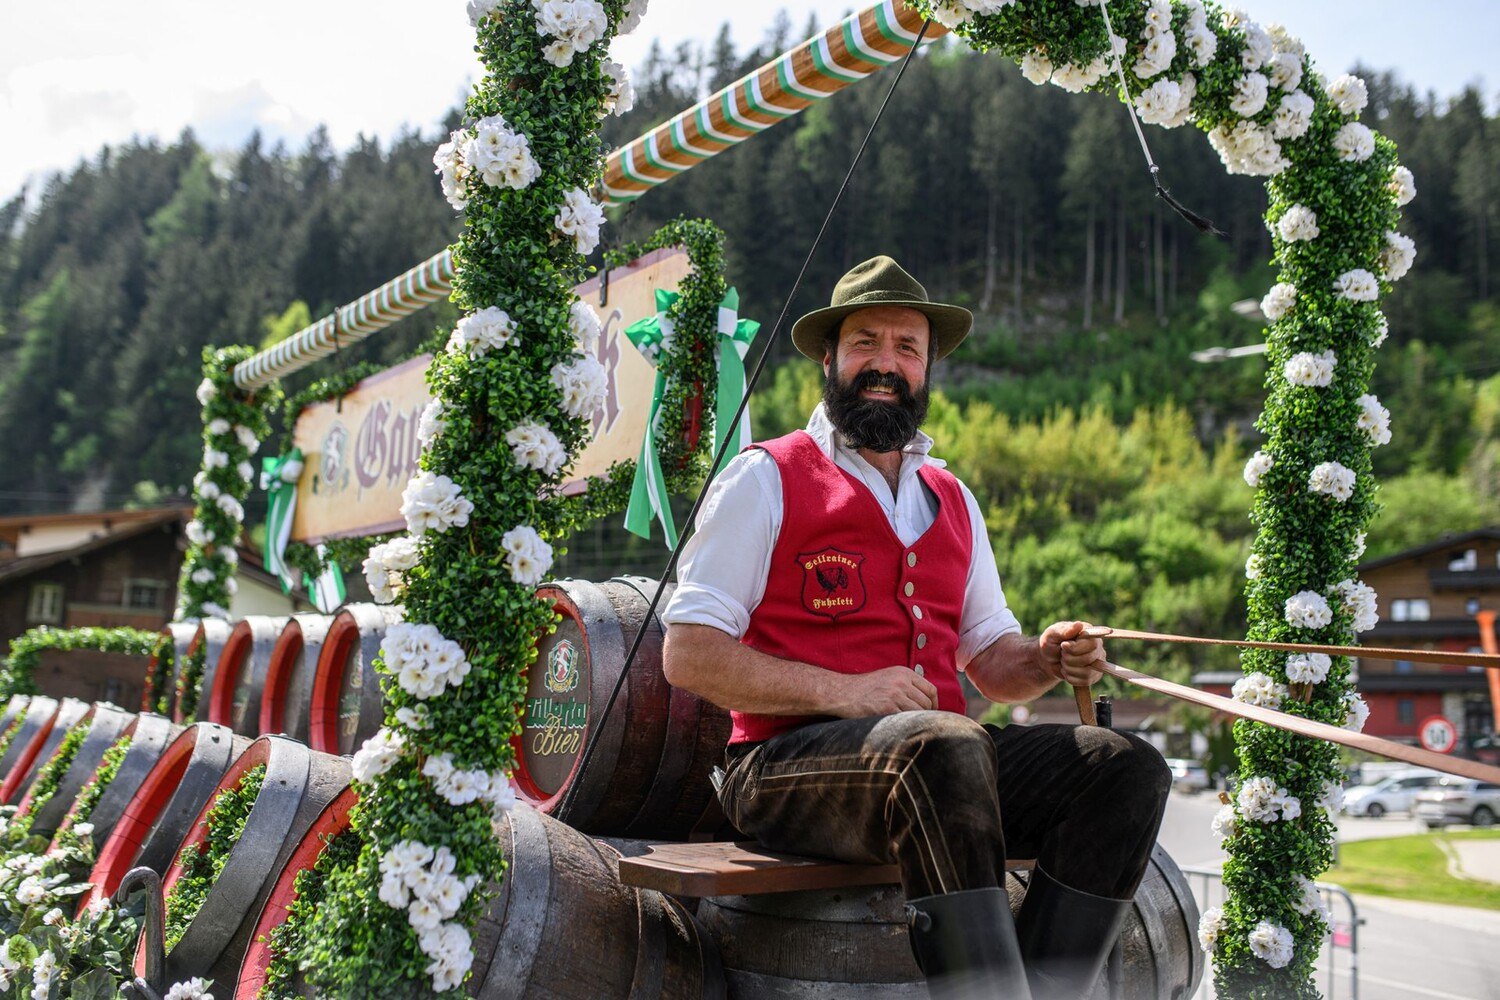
[884,295]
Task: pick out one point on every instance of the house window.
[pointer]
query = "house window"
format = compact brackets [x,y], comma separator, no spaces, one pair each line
[1406,712]
[46,604]
[1410,609]
[144,595]
[1463,562]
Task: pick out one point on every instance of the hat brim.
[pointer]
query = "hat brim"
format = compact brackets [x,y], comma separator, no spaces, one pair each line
[948,325]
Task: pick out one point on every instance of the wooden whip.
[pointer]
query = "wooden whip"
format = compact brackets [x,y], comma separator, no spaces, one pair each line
[1488,660]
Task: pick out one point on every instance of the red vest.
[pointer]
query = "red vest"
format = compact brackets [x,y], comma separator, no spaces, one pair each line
[844,594]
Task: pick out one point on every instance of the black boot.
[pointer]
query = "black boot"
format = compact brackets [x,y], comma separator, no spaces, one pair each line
[1065,936]
[965,943]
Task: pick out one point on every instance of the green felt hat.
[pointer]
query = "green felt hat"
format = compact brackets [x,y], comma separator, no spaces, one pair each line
[880,281]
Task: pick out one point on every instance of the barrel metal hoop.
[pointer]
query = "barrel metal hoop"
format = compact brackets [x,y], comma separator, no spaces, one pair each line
[1187,906]
[1155,930]
[148,741]
[600,626]
[523,922]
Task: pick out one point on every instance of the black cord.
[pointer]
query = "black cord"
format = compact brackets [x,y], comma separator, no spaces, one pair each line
[739,413]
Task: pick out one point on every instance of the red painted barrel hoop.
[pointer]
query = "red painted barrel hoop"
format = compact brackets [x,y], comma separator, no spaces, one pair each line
[211,635]
[106,722]
[303,636]
[41,748]
[346,635]
[243,651]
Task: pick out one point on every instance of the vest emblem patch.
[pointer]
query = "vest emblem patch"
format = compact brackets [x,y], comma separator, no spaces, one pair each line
[831,582]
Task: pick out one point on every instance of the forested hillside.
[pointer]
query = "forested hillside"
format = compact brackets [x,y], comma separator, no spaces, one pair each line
[1074,409]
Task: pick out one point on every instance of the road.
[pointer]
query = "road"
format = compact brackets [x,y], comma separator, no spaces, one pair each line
[1407,951]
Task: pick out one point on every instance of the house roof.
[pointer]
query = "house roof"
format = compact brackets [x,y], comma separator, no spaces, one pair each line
[1491,534]
[25,566]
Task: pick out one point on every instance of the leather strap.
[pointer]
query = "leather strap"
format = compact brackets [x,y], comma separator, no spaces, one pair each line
[1489,660]
[1308,727]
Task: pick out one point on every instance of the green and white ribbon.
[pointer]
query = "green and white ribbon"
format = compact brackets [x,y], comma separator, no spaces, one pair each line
[652,336]
[281,508]
[278,477]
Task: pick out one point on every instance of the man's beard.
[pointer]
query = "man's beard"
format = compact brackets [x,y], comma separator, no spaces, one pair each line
[871,423]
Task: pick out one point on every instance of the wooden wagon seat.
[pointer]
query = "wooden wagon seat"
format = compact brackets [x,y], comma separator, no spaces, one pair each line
[745,868]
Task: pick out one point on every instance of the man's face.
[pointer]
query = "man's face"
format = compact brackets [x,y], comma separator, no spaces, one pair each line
[875,388]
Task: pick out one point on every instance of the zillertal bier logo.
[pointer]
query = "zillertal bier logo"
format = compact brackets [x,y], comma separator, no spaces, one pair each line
[562,668]
[831,582]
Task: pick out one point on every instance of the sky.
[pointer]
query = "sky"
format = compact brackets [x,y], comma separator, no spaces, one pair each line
[77,76]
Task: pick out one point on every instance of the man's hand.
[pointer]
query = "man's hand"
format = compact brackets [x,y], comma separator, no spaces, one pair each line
[885,692]
[1069,658]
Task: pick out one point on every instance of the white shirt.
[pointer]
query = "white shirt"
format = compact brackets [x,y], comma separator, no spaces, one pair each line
[723,570]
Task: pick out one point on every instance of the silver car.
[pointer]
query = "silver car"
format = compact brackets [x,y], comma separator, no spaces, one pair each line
[1187,775]
[1458,800]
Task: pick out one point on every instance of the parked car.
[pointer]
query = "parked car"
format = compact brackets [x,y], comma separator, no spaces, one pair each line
[1187,775]
[1458,800]
[1390,795]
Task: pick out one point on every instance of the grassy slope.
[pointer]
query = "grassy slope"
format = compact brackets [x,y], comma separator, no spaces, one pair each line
[1413,868]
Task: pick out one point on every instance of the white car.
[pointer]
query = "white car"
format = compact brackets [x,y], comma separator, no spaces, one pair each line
[1458,800]
[1394,794]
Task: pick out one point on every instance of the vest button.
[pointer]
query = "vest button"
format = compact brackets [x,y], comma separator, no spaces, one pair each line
[911,559]
[921,639]
[918,669]
[916,611]
[911,588]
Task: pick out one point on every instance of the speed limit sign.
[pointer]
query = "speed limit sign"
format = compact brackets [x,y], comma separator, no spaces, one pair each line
[1437,734]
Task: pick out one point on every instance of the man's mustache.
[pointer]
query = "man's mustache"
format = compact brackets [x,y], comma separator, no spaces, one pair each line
[882,382]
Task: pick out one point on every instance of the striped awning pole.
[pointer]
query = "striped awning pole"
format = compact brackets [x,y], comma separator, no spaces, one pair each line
[856,47]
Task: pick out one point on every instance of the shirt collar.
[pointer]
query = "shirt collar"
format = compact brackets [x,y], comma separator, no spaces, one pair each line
[820,428]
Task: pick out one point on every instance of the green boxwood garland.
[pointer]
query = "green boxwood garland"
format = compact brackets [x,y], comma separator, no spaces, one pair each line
[11,730]
[234,424]
[26,650]
[189,679]
[159,682]
[93,789]
[289,957]
[51,775]
[202,863]
[1335,193]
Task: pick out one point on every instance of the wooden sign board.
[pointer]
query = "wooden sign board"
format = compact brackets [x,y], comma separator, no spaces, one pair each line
[360,451]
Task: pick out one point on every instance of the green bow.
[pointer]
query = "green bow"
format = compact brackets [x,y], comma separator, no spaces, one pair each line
[652,337]
[327,591]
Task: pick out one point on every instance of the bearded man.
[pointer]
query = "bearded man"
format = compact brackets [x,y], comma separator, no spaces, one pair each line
[839,581]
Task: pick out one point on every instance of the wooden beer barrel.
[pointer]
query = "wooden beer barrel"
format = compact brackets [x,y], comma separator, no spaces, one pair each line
[104,723]
[39,712]
[347,707]
[233,698]
[10,727]
[163,808]
[298,784]
[562,893]
[149,736]
[43,745]
[162,691]
[852,943]
[286,704]
[210,636]
[649,774]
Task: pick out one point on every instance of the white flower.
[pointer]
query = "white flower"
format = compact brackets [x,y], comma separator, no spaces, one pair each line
[1298,223]
[53,916]
[1263,801]
[1250,93]
[1210,928]
[228,555]
[230,506]
[1396,258]
[1161,104]
[528,557]
[1293,116]
[1359,599]
[1359,546]
[377,754]
[41,975]
[1308,609]
[585,325]
[1279,300]
[1247,148]
[1076,79]
[579,217]
[197,533]
[481,331]
[502,793]
[1285,70]
[452,953]
[83,829]
[1382,329]
[215,610]
[32,890]
[1308,369]
[534,446]
[1259,689]
[433,502]
[634,11]
[206,392]
[1036,67]
[202,575]
[1356,712]
[1331,797]
[385,565]
[218,426]
[1403,186]
[1271,944]
[232,586]
[424,662]
[574,24]
[405,857]
[431,423]
[582,384]
[1258,46]
[1225,823]
[1253,567]
[450,162]
[291,470]
[1332,478]
[415,717]
[1354,142]
[1157,55]
[1311,900]
[215,459]
[1203,44]
[1357,285]
[192,989]
[621,96]
[393,891]
[1307,668]
[1260,463]
[1349,94]
[481,9]
[247,471]
[500,155]
[423,914]
[246,437]
[1375,421]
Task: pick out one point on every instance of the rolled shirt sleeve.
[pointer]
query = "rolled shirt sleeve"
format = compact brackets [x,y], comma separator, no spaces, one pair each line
[986,616]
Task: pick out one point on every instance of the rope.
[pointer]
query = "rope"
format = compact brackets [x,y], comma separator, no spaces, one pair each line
[729,436]
[1490,661]
[1199,222]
